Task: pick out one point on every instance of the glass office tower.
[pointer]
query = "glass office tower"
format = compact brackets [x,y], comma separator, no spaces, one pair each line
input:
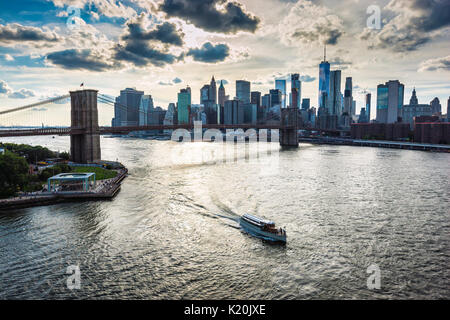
[280,84]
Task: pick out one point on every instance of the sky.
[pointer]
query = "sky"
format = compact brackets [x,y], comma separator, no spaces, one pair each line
[48,47]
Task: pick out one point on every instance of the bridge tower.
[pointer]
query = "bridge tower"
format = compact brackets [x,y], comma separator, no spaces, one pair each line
[84,136]
[289,128]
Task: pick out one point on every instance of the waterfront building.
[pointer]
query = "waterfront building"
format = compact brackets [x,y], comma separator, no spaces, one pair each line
[390,101]
[334,100]
[324,81]
[414,109]
[436,108]
[250,113]
[280,84]
[184,105]
[243,91]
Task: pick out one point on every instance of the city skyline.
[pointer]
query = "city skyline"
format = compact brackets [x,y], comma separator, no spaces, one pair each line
[260,48]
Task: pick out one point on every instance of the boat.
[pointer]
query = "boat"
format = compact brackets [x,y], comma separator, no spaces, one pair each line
[262,228]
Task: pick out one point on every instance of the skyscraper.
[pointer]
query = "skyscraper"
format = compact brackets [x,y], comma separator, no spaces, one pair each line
[213,91]
[145,107]
[448,109]
[184,105]
[306,104]
[414,109]
[334,101]
[222,96]
[243,91]
[324,81]
[348,96]
[436,107]
[276,98]
[368,105]
[390,101]
[255,98]
[296,90]
[280,84]
[126,108]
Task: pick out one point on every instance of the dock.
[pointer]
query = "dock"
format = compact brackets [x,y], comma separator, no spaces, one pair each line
[377,144]
[106,190]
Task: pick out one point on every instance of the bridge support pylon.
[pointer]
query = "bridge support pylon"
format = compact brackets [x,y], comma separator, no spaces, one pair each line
[289,128]
[85,138]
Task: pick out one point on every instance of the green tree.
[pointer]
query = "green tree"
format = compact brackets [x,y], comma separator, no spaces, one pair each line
[13,174]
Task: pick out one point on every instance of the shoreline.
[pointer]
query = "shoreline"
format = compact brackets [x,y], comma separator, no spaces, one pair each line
[109,189]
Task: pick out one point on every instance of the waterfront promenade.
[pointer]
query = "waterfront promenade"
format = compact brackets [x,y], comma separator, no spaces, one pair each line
[105,190]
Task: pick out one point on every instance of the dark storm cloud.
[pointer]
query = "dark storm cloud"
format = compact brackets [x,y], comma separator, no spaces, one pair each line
[165,33]
[142,47]
[210,53]
[435,13]
[15,32]
[204,14]
[75,59]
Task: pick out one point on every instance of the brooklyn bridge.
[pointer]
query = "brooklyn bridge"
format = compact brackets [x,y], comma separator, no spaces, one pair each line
[85,131]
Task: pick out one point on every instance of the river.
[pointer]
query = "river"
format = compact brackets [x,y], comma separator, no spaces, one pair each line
[173,230]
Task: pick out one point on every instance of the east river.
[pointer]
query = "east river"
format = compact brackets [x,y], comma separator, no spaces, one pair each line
[173,231]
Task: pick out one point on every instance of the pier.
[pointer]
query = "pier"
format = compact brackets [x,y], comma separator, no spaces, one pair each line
[106,190]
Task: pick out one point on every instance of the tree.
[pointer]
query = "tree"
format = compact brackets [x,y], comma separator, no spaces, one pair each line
[13,174]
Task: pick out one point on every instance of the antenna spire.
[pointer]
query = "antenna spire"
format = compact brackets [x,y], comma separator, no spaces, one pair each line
[325,52]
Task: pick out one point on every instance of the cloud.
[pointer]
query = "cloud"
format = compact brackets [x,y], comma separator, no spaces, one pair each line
[415,23]
[165,32]
[164,83]
[177,80]
[107,8]
[81,59]
[435,64]
[222,16]
[210,53]
[307,78]
[310,23]
[6,90]
[15,33]
[141,46]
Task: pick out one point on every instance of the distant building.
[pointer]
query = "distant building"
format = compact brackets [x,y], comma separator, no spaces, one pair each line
[334,100]
[448,109]
[265,101]
[222,96]
[145,107]
[276,98]
[324,81]
[306,103]
[296,91]
[390,101]
[362,116]
[436,106]
[213,91]
[233,112]
[348,96]
[414,109]
[243,91]
[280,84]
[250,113]
[184,105]
[368,105]
[169,117]
[126,108]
